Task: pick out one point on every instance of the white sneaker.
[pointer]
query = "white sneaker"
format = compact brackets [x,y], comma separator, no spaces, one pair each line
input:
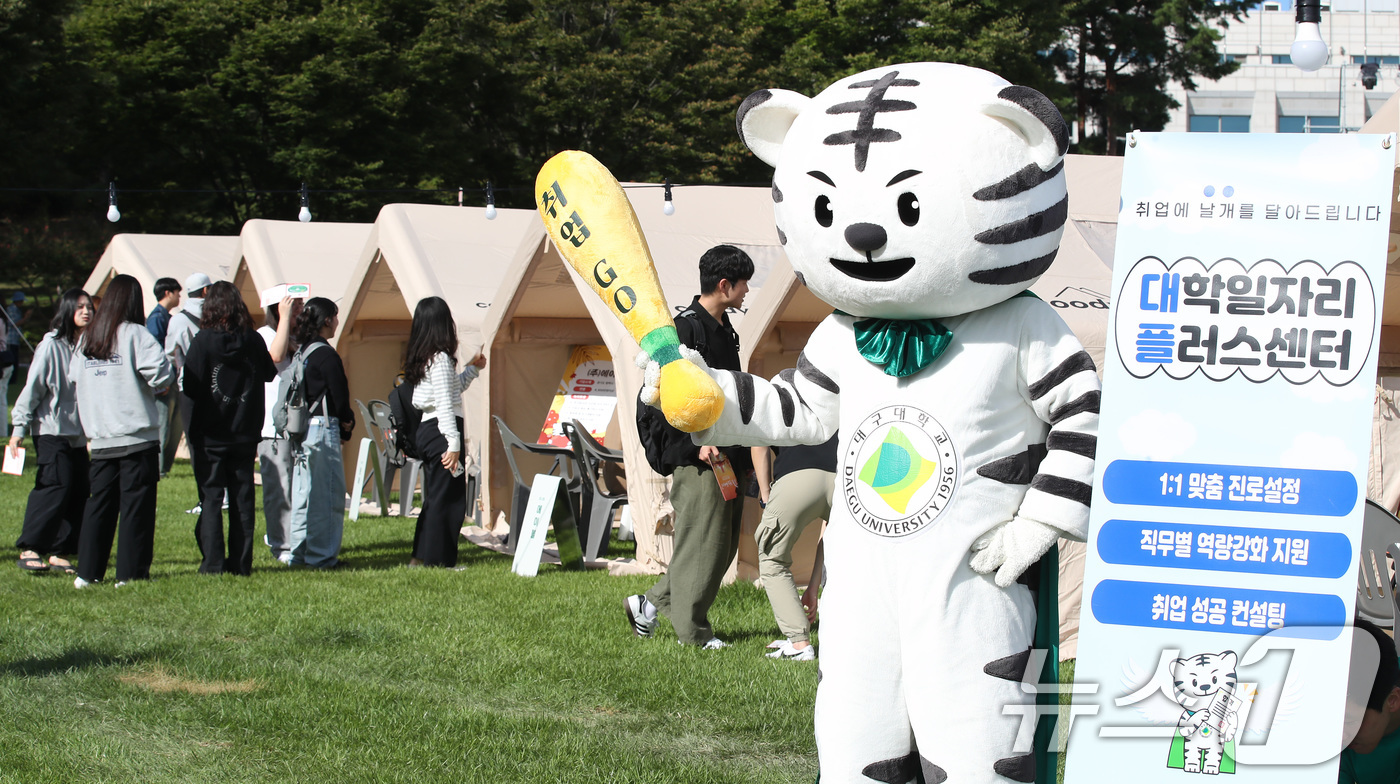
[789,653]
[197,509]
[120,584]
[79,582]
[714,644]
[641,613]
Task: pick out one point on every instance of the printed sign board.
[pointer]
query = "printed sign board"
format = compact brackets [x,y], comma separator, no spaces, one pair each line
[1230,468]
[587,392]
[548,507]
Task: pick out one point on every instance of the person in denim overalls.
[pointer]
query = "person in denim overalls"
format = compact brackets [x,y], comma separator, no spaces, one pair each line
[318,477]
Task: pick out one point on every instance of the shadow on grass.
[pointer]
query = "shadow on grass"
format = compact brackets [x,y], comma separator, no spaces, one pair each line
[71,661]
[394,552]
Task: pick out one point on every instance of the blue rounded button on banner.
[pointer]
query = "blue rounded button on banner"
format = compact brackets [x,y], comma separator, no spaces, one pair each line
[1300,491]
[1219,548]
[1207,608]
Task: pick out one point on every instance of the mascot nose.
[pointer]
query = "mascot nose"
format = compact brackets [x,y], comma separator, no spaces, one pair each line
[866,237]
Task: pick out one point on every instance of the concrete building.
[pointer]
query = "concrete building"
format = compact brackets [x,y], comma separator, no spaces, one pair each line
[1269,95]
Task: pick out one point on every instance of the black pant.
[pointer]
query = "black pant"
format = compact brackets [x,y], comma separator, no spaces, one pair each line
[54,515]
[126,484]
[444,500]
[226,468]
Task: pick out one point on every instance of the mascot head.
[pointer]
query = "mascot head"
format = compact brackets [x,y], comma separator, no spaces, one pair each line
[921,190]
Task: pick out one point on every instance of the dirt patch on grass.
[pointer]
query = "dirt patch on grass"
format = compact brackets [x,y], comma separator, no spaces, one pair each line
[164,681]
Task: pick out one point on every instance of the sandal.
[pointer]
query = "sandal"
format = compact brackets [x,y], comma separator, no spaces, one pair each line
[61,564]
[30,561]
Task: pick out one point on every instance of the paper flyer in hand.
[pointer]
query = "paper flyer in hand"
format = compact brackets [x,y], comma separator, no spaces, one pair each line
[14,463]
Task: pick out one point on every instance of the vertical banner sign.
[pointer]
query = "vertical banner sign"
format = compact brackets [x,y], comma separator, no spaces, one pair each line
[1232,456]
[587,392]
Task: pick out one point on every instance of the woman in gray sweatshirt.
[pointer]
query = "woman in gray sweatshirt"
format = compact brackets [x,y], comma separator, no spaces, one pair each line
[47,410]
[117,369]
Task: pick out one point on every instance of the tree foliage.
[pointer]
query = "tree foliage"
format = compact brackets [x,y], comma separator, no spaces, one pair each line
[1117,58]
[198,108]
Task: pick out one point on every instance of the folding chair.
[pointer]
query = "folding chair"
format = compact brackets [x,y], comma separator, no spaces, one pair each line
[371,454]
[520,498]
[596,504]
[1375,583]
[379,412]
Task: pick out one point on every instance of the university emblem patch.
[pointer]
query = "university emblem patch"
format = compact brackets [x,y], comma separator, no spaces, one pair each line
[899,471]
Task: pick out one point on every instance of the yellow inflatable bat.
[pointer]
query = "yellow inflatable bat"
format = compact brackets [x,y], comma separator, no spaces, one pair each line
[593,226]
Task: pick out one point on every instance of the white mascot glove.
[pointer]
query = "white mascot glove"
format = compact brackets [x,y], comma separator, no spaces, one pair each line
[651,373]
[651,380]
[1011,548]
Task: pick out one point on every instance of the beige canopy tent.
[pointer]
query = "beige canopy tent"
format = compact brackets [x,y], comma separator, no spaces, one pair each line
[420,250]
[149,257]
[321,255]
[550,310]
[1383,485]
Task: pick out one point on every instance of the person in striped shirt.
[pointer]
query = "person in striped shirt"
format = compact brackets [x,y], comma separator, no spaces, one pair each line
[431,367]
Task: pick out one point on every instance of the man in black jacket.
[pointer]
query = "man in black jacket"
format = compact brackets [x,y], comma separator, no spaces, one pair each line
[707,526]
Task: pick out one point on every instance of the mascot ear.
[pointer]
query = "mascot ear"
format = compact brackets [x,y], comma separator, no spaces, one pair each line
[1035,119]
[764,119]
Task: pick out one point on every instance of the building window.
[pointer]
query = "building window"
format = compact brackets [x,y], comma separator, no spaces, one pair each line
[1233,58]
[1219,123]
[1379,59]
[1308,124]
[1281,59]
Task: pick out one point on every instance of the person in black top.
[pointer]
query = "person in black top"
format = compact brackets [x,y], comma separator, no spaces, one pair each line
[706,526]
[318,476]
[803,479]
[226,368]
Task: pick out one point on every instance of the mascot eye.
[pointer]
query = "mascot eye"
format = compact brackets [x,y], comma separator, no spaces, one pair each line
[823,208]
[909,209]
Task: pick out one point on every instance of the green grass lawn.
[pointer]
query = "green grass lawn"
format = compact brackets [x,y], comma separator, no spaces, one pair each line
[378,673]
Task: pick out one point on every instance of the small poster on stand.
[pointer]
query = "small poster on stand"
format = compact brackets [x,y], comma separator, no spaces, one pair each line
[587,392]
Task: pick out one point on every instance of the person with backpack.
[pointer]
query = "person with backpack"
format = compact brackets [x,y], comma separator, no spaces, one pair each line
[47,409]
[274,451]
[707,524]
[318,474]
[117,369]
[430,368]
[226,368]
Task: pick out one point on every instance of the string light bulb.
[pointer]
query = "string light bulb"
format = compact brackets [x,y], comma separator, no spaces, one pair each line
[1309,51]
[490,201]
[113,214]
[304,215]
[668,207]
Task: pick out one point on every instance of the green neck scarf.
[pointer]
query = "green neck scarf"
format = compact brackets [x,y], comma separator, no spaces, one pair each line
[903,347]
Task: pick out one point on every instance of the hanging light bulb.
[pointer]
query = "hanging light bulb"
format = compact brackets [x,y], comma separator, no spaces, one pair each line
[490,201]
[668,207]
[461,197]
[1309,51]
[113,214]
[304,215]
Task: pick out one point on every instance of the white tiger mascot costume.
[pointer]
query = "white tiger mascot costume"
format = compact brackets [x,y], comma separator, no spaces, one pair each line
[921,200]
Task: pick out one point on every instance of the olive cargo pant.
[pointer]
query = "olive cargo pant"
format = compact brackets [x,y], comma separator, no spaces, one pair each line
[706,541]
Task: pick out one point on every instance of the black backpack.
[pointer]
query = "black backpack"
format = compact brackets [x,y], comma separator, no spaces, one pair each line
[665,446]
[404,419]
